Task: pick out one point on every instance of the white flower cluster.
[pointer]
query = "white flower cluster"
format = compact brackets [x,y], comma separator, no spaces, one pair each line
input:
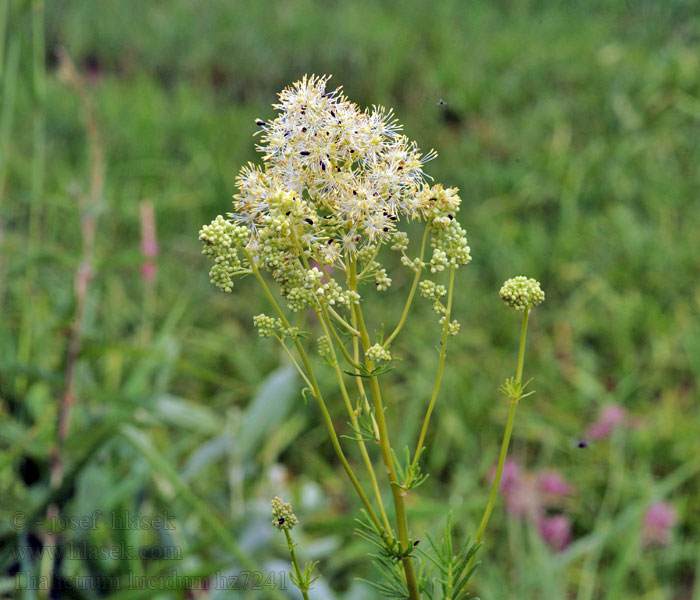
[335,184]
[377,353]
[449,241]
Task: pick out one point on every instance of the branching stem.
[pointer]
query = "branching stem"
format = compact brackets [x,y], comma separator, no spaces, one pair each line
[319,398]
[412,293]
[326,324]
[441,365]
[399,507]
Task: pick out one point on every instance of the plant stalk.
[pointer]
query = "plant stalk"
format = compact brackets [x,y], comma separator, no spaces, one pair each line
[295,563]
[506,437]
[441,365]
[325,323]
[319,398]
[412,293]
[399,506]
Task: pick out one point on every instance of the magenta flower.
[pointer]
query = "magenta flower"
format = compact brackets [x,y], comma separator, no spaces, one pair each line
[149,243]
[610,417]
[528,495]
[556,531]
[659,519]
[553,485]
[510,477]
[518,490]
[524,502]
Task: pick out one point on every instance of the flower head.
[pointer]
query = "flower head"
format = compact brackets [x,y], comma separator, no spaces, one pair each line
[377,353]
[553,486]
[659,519]
[521,293]
[283,517]
[610,417]
[336,183]
[556,531]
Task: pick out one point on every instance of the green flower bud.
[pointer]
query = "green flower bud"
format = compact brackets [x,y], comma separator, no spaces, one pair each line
[521,293]
[283,517]
[266,325]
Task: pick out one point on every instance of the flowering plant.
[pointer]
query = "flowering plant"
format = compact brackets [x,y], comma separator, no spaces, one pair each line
[336,188]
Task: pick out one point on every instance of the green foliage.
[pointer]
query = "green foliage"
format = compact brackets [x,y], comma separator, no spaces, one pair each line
[307,578]
[514,390]
[387,560]
[573,132]
[409,473]
[454,569]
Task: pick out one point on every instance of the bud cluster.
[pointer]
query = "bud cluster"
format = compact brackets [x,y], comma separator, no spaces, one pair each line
[521,293]
[377,353]
[283,517]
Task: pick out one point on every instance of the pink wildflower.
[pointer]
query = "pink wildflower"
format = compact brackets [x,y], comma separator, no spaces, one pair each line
[553,485]
[149,244]
[556,531]
[658,521]
[510,477]
[610,417]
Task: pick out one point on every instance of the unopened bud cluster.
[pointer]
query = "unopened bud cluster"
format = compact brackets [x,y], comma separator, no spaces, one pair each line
[377,353]
[283,517]
[521,293]
[269,326]
[433,291]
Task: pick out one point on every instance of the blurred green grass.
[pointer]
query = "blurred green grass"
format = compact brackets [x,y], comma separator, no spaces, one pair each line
[572,130]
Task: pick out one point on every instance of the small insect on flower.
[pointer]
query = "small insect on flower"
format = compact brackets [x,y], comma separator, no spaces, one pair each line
[284,518]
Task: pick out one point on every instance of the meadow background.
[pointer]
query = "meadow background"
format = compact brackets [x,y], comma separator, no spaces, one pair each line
[573,132]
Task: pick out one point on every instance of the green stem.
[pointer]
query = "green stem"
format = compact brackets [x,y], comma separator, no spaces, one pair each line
[4,11]
[441,365]
[521,350]
[343,322]
[334,334]
[294,362]
[295,564]
[412,293]
[358,379]
[325,323]
[319,398]
[368,266]
[506,437]
[25,335]
[401,520]
[9,88]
